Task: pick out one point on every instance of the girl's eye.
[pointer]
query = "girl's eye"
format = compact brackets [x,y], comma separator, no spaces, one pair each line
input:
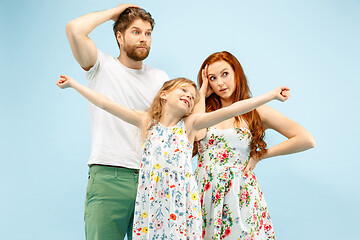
[212,78]
[225,74]
[183,89]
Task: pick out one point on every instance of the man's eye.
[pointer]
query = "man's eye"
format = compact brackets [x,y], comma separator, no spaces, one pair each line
[136,32]
[148,34]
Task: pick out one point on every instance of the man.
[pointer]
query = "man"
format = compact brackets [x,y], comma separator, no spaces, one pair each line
[115,151]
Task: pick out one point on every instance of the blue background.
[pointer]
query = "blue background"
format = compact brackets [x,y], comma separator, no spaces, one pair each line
[310,46]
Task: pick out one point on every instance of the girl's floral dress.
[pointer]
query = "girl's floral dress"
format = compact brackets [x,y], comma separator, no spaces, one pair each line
[167,203]
[232,204]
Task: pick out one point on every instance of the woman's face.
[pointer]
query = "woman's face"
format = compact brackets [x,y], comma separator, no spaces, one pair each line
[221,79]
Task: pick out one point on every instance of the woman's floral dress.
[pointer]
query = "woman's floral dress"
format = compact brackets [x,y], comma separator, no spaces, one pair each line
[167,203]
[233,205]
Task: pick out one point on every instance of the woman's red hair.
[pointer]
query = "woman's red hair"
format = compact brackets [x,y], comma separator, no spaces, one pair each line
[242,91]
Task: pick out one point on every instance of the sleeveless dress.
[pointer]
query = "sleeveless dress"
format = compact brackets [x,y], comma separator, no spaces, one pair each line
[167,203]
[232,204]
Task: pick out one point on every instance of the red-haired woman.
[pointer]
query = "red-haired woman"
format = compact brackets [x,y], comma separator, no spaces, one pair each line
[233,206]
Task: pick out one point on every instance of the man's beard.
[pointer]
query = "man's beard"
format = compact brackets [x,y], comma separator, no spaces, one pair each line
[135,54]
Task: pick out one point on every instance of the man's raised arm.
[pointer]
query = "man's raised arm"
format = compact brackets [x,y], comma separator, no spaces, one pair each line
[77,32]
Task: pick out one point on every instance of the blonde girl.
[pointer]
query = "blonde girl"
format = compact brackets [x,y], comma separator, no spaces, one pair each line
[167,203]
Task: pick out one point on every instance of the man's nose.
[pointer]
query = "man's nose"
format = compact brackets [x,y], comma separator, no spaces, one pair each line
[143,37]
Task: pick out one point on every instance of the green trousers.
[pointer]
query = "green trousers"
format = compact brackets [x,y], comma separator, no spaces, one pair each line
[110,202]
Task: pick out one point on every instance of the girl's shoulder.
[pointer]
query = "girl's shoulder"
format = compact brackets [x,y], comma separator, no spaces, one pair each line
[189,121]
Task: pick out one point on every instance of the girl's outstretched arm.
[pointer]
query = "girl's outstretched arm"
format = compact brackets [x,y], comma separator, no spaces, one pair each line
[204,120]
[128,115]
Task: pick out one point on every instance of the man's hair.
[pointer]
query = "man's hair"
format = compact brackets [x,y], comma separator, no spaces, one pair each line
[128,16]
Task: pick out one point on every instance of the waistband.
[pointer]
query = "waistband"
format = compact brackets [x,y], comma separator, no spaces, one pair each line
[111,170]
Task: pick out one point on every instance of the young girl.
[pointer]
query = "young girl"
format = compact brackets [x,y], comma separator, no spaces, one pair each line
[233,205]
[167,203]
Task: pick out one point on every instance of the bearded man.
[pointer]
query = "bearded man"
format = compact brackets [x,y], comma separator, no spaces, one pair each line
[115,151]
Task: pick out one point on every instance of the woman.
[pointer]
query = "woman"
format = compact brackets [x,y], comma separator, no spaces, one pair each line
[233,206]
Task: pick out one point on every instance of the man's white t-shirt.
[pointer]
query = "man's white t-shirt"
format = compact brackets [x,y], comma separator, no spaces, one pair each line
[114,141]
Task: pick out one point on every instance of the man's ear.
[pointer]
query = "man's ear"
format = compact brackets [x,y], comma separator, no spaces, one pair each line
[120,38]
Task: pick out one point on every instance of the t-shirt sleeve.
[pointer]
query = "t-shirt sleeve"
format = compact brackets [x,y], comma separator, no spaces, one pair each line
[91,73]
[163,77]
[166,77]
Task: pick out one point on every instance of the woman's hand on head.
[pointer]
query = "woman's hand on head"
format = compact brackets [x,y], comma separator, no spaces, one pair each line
[64,81]
[281,93]
[205,88]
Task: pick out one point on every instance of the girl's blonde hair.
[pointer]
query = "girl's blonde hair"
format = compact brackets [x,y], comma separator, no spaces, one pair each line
[156,108]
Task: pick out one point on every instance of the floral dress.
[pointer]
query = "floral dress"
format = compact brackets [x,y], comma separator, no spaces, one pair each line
[232,204]
[167,203]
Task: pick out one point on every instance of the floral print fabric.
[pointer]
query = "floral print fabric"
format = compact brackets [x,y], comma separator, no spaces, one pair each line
[232,204]
[167,203]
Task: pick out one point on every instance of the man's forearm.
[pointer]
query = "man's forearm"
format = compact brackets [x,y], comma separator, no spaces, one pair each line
[82,26]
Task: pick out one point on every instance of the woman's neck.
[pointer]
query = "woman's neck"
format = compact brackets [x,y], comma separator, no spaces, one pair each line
[226,102]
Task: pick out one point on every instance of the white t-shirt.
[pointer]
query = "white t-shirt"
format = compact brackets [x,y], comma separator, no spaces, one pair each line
[114,141]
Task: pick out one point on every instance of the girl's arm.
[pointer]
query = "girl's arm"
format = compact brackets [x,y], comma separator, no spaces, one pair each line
[204,120]
[128,115]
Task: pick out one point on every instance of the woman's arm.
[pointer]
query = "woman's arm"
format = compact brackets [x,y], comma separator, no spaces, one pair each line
[299,139]
[204,92]
[129,115]
[204,120]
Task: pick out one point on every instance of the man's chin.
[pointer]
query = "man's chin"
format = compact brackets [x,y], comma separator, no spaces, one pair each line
[139,56]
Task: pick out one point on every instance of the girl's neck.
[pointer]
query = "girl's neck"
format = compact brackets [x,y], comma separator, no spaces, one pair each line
[168,119]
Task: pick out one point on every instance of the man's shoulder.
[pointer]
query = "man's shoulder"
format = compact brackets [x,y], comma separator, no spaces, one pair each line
[155,71]
[151,68]
[104,56]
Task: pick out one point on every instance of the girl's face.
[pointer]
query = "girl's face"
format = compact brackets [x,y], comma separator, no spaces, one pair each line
[182,97]
[221,79]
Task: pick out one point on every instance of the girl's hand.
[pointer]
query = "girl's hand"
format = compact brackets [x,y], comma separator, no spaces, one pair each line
[64,81]
[250,165]
[205,88]
[281,93]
